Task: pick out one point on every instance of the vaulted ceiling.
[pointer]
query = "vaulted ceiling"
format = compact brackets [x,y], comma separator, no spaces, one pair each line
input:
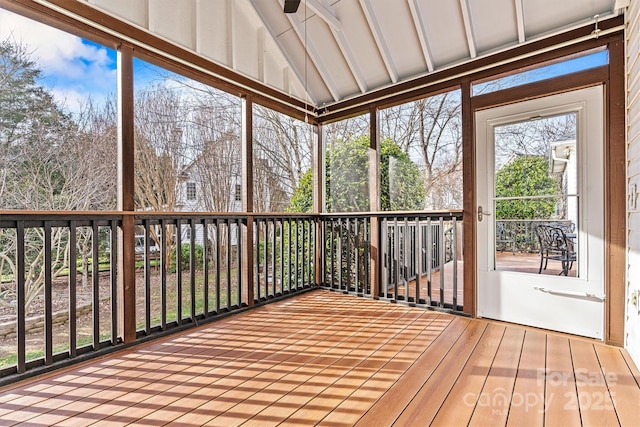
[333,50]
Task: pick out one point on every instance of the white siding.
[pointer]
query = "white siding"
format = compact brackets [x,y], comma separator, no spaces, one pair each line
[632,339]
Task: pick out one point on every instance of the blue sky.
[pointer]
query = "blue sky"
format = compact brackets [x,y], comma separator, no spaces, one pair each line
[73,68]
[564,67]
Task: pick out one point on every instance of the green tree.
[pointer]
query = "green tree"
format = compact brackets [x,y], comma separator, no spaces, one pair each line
[49,160]
[347,179]
[525,176]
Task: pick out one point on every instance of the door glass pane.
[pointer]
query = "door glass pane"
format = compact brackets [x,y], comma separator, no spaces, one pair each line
[536,196]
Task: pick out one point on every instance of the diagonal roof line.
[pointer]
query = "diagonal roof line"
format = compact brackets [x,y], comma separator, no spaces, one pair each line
[421,32]
[380,42]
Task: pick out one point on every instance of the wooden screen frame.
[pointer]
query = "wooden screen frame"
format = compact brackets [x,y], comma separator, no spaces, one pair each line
[611,76]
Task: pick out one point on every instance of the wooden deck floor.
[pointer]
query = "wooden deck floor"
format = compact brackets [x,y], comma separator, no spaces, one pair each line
[331,359]
[505,261]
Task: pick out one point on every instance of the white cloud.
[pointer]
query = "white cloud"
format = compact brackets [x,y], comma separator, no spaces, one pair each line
[68,64]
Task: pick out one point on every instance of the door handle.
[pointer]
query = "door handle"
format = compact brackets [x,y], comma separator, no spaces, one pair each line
[482,214]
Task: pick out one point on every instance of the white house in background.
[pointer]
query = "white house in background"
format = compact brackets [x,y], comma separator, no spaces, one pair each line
[563,161]
[192,197]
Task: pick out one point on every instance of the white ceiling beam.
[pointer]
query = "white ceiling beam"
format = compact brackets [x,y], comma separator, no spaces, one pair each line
[466,18]
[380,42]
[324,13]
[312,53]
[345,48]
[147,15]
[230,24]
[356,71]
[262,46]
[421,32]
[196,27]
[520,20]
[297,74]
[621,4]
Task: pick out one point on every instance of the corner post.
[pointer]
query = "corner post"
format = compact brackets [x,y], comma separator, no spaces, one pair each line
[126,204]
[374,201]
[247,200]
[469,201]
[318,201]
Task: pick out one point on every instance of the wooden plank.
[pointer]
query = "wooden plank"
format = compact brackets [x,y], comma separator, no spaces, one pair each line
[594,401]
[632,366]
[425,404]
[284,401]
[355,371]
[529,387]
[469,383]
[329,359]
[387,409]
[497,394]
[621,383]
[383,371]
[560,387]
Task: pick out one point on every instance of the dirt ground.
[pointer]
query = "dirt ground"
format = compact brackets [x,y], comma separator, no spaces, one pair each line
[60,302]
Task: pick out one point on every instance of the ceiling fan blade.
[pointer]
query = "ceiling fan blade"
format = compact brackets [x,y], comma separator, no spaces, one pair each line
[291,6]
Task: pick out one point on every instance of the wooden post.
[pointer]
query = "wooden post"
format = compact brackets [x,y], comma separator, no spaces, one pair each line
[374,200]
[469,201]
[318,201]
[126,204]
[247,200]
[615,206]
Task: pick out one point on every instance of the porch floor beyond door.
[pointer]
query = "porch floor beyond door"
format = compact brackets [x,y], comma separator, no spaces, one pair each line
[331,359]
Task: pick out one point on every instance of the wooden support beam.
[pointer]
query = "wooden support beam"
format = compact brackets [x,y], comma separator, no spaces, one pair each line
[311,52]
[615,206]
[469,200]
[247,200]
[126,203]
[374,199]
[318,199]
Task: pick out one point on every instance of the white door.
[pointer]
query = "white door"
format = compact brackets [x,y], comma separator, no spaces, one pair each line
[540,168]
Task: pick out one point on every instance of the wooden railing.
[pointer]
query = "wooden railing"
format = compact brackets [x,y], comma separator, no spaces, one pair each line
[43,295]
[62,275]
[419,257]
[519,235]
[284,254]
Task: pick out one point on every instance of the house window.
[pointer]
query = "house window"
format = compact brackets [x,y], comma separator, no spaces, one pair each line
[238,193]
[191,190]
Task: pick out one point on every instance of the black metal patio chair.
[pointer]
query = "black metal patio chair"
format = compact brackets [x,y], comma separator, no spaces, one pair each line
[555,246]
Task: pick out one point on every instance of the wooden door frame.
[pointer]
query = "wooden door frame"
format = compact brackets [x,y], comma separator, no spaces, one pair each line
[611,77]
